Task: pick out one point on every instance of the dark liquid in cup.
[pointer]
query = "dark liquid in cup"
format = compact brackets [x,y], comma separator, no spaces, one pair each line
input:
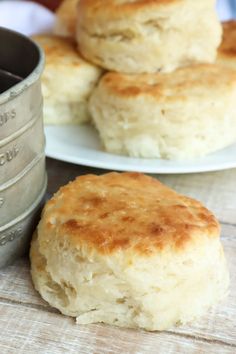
[7,80]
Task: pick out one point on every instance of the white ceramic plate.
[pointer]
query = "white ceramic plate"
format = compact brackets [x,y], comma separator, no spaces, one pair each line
[81,145]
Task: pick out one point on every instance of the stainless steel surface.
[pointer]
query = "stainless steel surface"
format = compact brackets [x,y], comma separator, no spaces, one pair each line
[22,142]
[21,193]
[18,150]
[15,238]
[15,113]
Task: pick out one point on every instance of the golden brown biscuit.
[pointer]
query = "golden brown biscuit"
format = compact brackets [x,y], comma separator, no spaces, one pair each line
[126,250]
[67,81]
[181,115]
[227,50]
[148,36]
[66,16]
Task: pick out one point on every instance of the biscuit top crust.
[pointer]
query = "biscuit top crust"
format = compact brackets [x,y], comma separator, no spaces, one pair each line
[228,45]
[116,7]
[122,9]
[91,13]
[60,51]
[198,81]
[67,14]
[125,212]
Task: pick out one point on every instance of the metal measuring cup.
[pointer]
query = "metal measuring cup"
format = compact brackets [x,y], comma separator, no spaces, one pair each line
[22,160]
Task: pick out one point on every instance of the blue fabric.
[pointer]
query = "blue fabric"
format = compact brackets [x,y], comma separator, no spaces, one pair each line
[226,9]
[233,7]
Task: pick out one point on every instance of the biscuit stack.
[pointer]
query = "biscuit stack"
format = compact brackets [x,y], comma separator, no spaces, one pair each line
[67,81]
[65,24]
[147,36]
[164,97]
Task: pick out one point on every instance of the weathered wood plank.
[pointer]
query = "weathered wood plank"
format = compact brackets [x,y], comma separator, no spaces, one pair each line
[218,325]
[26,330]
[216,190]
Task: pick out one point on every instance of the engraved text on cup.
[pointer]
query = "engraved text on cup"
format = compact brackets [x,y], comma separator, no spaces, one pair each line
[10,236]
[9,155]
[6,116]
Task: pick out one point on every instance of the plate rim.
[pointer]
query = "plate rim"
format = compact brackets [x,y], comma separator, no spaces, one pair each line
[109,165]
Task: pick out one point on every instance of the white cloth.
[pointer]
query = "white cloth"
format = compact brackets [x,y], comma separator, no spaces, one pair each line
[26,17]
[30,18]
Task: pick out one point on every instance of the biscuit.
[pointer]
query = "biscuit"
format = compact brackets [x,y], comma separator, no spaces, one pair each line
[227,50]
[124,249]
[65,24]
[148,36]
[181,115]
[67,81]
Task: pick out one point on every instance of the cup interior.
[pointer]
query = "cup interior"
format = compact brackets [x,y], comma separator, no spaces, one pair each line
[19,56]
[7,80]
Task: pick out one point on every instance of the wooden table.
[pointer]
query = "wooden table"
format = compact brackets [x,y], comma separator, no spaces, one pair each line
[29,325]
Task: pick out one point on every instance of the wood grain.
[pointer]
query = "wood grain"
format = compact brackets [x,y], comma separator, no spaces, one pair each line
[29,325]
[34,331]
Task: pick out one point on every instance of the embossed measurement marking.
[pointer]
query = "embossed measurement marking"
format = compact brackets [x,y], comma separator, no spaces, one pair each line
[1,201]
[6,116]
[9,155]
[10,236]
